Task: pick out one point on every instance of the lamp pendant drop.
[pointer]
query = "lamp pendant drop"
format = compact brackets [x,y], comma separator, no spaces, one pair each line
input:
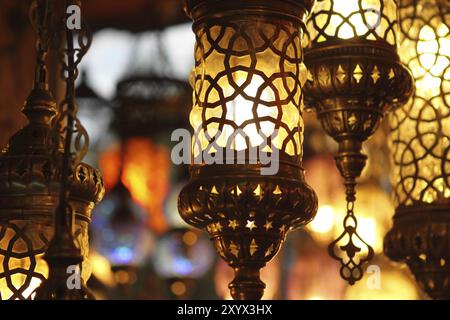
[355,77]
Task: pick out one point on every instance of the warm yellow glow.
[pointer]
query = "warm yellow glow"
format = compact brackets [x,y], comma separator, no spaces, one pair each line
[324,220]
[34,283]
[101,268]
[421,129]
[17,281]
[315,298]
[30,245]
[394,285]
[241,99]
[353,18]
[434,53]
[373,209]
[346,9]
[367,228]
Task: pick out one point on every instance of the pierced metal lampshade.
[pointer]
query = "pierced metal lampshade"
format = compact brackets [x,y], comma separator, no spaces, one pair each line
[354,78]
[420,148]
[29,185]
[29,193]
[247,81]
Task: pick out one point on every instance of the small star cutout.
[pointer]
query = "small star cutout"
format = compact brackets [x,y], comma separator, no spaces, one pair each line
[218,226]
[268,225]
[251,225]
[283,228]
[233,224]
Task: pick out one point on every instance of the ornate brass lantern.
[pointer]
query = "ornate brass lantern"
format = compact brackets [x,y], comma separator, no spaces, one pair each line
[420,147]
[354,77]
[247,81]
[29,186]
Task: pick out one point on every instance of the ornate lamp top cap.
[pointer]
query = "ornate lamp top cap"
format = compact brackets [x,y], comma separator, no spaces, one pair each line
[295,9]
[40,109]
[29,164]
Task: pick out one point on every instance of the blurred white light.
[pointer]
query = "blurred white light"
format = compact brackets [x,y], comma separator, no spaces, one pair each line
[324,220]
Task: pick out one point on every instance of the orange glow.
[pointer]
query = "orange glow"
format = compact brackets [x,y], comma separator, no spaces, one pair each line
[145,173]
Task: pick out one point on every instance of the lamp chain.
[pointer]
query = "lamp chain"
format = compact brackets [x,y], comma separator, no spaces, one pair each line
[39,21]
[68,129]
[70,57]
[62,251]
[352,262]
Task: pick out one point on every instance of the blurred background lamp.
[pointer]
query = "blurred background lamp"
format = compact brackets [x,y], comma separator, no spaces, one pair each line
[420,149]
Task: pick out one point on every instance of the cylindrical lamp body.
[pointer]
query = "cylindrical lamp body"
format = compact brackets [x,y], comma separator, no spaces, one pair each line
[420,149]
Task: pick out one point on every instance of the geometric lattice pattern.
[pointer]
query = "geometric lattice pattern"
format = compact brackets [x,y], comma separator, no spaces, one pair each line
[346,19]
[247,84]
[22,246]
[420,138]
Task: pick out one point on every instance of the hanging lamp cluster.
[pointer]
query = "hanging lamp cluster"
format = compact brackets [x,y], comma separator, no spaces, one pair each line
[354,78]
[420,149]
[247,185]
[45,195]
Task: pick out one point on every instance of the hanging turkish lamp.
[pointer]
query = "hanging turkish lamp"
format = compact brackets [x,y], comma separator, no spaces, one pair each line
[64,256]
[420,149]
[151,104]
[354,78]
[247,101]
[29,184]
[120,230]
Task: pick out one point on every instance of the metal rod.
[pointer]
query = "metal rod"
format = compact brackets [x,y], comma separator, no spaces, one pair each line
[63,222]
